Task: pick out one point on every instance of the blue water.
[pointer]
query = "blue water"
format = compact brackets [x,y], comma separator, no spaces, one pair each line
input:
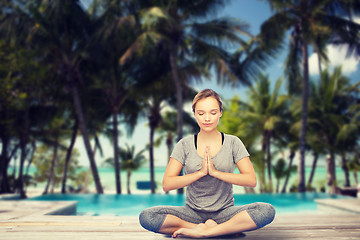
[107,177]
[131,205]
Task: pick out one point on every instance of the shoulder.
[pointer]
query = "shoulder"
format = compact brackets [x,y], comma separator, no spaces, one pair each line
[231,138]
[186,141]
[234,140]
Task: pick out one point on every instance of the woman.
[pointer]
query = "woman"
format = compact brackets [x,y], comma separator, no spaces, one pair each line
[209,159]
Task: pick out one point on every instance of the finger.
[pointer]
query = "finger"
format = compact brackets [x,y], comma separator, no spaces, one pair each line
[177,233]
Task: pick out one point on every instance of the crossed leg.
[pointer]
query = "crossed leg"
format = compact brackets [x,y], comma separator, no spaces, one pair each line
[173,223]
[183,221]
[239,223]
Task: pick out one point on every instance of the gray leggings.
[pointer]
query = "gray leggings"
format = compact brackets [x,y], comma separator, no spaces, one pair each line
[153,218]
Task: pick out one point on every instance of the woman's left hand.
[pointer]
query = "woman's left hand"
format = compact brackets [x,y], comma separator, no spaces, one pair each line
[212,171]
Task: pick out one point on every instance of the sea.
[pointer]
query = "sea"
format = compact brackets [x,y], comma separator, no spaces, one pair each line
[107,178]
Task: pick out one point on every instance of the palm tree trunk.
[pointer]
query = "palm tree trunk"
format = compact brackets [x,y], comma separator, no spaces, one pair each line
[319,61]
[23,142]
[4,164]
[268,158]
[20,181]
[83,129]
[86,182]
[291,158]
[179,92]
[151,157]
[331,175]
[51,170]
[11,157]
[345,169]
[33,145]
[316,156]
[304,115]
[264,149]
[179,100]
[68,155]
[355,177]
[116,153]
[169,143]
[128,180]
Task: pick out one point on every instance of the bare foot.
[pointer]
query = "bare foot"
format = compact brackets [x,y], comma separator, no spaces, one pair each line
[210,223]
[197,232]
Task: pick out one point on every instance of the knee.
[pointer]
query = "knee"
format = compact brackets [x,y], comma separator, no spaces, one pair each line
[150,220]
[145,218]
[269,212]
[262,214]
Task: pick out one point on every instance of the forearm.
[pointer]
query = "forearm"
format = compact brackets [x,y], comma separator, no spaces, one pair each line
[176,182]
[244,180]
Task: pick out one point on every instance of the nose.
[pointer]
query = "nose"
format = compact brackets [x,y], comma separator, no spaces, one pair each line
[207,117]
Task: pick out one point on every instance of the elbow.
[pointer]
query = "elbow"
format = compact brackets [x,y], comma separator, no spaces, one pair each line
[165,186]
[253,182]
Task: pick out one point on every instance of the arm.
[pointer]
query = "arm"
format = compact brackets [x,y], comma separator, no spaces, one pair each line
[247,178]
[172,180]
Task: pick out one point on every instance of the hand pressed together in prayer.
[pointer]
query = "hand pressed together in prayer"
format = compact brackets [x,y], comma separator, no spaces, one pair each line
[207,164]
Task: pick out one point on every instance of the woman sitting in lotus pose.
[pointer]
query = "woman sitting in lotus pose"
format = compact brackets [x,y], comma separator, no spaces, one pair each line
[209,159]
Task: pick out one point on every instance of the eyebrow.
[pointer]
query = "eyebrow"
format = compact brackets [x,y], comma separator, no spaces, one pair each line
[212,110]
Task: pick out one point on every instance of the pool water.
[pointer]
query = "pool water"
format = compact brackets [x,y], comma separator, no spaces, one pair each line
[132,205]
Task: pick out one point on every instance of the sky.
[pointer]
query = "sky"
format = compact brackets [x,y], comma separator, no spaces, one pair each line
[253,13]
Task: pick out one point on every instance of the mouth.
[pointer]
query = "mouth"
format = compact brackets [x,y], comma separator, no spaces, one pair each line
[207,124]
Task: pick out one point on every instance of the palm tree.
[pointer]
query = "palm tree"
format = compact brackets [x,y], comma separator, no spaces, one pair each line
[50,171]
[285,139]
[156,97]
[311,23]
[266,110]
[11,98]
[130,160]
[348,137]
[317,147]
[68,154]
[354,167]
[54,129]
[331,101]
[23,109]
[234,121]
[61,30]
[167,128]
[121,83]
[281,171]
[174,26]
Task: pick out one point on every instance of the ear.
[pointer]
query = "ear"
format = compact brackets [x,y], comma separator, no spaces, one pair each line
[221,113]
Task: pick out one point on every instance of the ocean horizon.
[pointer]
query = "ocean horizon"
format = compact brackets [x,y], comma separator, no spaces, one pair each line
[107,178]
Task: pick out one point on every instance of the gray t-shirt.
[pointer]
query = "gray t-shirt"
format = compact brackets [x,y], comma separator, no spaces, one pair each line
[209,194]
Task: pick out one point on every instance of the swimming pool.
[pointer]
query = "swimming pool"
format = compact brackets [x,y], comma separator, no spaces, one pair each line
[131,205]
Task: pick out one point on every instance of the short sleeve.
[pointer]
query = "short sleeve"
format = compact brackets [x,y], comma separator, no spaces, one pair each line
[178,152]
[239,150]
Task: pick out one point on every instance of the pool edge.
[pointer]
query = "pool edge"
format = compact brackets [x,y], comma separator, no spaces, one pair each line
[340,205]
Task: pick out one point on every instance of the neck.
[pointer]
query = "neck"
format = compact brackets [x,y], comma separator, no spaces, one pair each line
[211,134]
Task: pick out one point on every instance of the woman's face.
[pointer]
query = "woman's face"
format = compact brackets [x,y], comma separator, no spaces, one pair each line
[207,113]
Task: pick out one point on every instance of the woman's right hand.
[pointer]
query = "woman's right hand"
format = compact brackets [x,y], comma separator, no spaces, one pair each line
[204,168]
